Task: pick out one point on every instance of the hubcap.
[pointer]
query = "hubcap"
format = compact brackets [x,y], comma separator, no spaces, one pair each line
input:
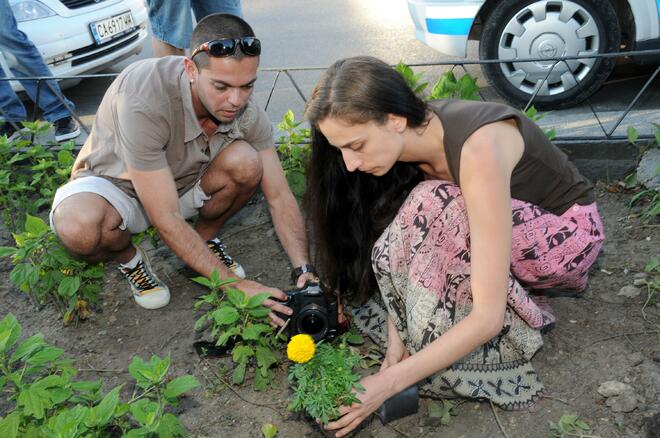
[548,29]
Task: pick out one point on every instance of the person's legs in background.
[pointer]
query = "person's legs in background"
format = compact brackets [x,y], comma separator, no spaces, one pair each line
[202,8]
[171,26]
[27,61]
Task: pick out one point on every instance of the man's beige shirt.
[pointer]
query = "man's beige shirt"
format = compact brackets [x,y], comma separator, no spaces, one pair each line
[146,121]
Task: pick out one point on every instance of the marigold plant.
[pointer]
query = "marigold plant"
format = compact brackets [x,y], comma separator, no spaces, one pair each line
[324,377]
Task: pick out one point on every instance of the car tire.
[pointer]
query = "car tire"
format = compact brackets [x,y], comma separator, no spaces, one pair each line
[539,29]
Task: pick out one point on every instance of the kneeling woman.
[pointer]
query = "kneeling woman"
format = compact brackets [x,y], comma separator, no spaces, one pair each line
[454,210]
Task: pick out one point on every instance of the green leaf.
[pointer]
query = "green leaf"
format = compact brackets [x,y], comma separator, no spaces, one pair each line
[28,347]
[170,427]
[224,337]
[144,411]
[44,356]
[633,135]
[257,300]
[103,413]
[35,225]
[265,357]
[253,332]
[652,265]
[354,339]
[9,425]
[238,377]
[10,331]
[180,385]
[242,353]
[6,251]
[225,315]
[203,281]
[259,312]
[69,286]
[236,297]
[269,430]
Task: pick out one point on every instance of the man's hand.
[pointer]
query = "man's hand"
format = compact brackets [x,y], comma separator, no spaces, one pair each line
[252,288]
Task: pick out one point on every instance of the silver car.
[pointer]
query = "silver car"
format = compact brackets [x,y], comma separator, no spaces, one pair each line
[516,30]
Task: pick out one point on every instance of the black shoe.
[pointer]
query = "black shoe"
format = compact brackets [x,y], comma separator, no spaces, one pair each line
[66,129]
[8,129]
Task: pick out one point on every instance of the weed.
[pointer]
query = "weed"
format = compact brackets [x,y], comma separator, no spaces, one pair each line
[535,116]
[649,199]
[45,399]
[30,174]
[45,270]
[445,412]
[446,87]
[567,426]
[233,315]
[652,283]
[294,152]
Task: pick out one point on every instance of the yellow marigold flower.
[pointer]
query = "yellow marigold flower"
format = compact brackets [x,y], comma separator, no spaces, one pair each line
[301,348]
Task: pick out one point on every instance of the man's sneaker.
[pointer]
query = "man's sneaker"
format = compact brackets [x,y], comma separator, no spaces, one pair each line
[149,292]
[220,252]
[66,129]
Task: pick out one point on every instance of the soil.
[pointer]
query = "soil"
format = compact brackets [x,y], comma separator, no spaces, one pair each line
[600,336]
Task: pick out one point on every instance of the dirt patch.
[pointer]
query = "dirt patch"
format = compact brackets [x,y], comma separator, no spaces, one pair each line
[599,337]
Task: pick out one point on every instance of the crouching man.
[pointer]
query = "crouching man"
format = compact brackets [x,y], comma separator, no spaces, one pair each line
[176,137]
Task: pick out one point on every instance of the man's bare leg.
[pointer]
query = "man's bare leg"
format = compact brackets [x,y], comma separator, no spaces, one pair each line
[161,48]
[88,227]
[231,180]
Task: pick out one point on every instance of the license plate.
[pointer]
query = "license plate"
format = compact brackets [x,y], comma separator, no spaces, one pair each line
[112,27]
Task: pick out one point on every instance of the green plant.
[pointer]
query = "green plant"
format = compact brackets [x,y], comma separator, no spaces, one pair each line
[44,399]
[294,152]
[233,315]
[326,382]
[652,283]
[444,411]
[45,270]
[569,425]
[414,80]
[648,198]
[31,173]
[533,114]
[446,86]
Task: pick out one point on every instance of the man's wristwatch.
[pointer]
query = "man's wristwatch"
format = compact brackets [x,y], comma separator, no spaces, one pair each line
[300,270]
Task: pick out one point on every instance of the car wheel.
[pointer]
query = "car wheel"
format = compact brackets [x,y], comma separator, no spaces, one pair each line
[526,29]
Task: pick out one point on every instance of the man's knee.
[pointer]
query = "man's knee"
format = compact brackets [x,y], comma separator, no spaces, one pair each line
[79,222]
[242,164]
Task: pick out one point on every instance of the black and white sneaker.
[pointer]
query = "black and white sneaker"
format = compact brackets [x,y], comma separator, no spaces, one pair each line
[66,129]
[148,291]
[218,248]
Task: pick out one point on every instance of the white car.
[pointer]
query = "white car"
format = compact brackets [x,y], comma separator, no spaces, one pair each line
[81,36]
[541,29]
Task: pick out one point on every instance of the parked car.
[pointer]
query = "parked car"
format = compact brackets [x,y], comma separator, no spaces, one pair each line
[81,36]
[540,29]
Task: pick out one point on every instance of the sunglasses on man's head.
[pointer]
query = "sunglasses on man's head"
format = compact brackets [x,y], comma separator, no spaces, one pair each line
[250,46]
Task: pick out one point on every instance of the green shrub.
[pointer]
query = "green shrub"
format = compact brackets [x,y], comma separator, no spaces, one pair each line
[45,399]
[45,270]
[243,320]
[30,174]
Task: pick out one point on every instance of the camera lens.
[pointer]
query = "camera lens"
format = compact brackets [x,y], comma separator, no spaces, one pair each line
[313,320]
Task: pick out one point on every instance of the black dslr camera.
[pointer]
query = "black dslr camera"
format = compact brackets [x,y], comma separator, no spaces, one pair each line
[313,312]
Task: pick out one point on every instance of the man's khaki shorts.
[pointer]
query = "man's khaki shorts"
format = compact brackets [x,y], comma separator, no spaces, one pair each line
[133,217]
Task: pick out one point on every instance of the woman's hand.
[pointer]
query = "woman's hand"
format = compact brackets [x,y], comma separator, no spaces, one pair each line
[396,349]
[378,388]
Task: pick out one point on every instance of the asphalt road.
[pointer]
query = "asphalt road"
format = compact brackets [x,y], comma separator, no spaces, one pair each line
[315,33]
